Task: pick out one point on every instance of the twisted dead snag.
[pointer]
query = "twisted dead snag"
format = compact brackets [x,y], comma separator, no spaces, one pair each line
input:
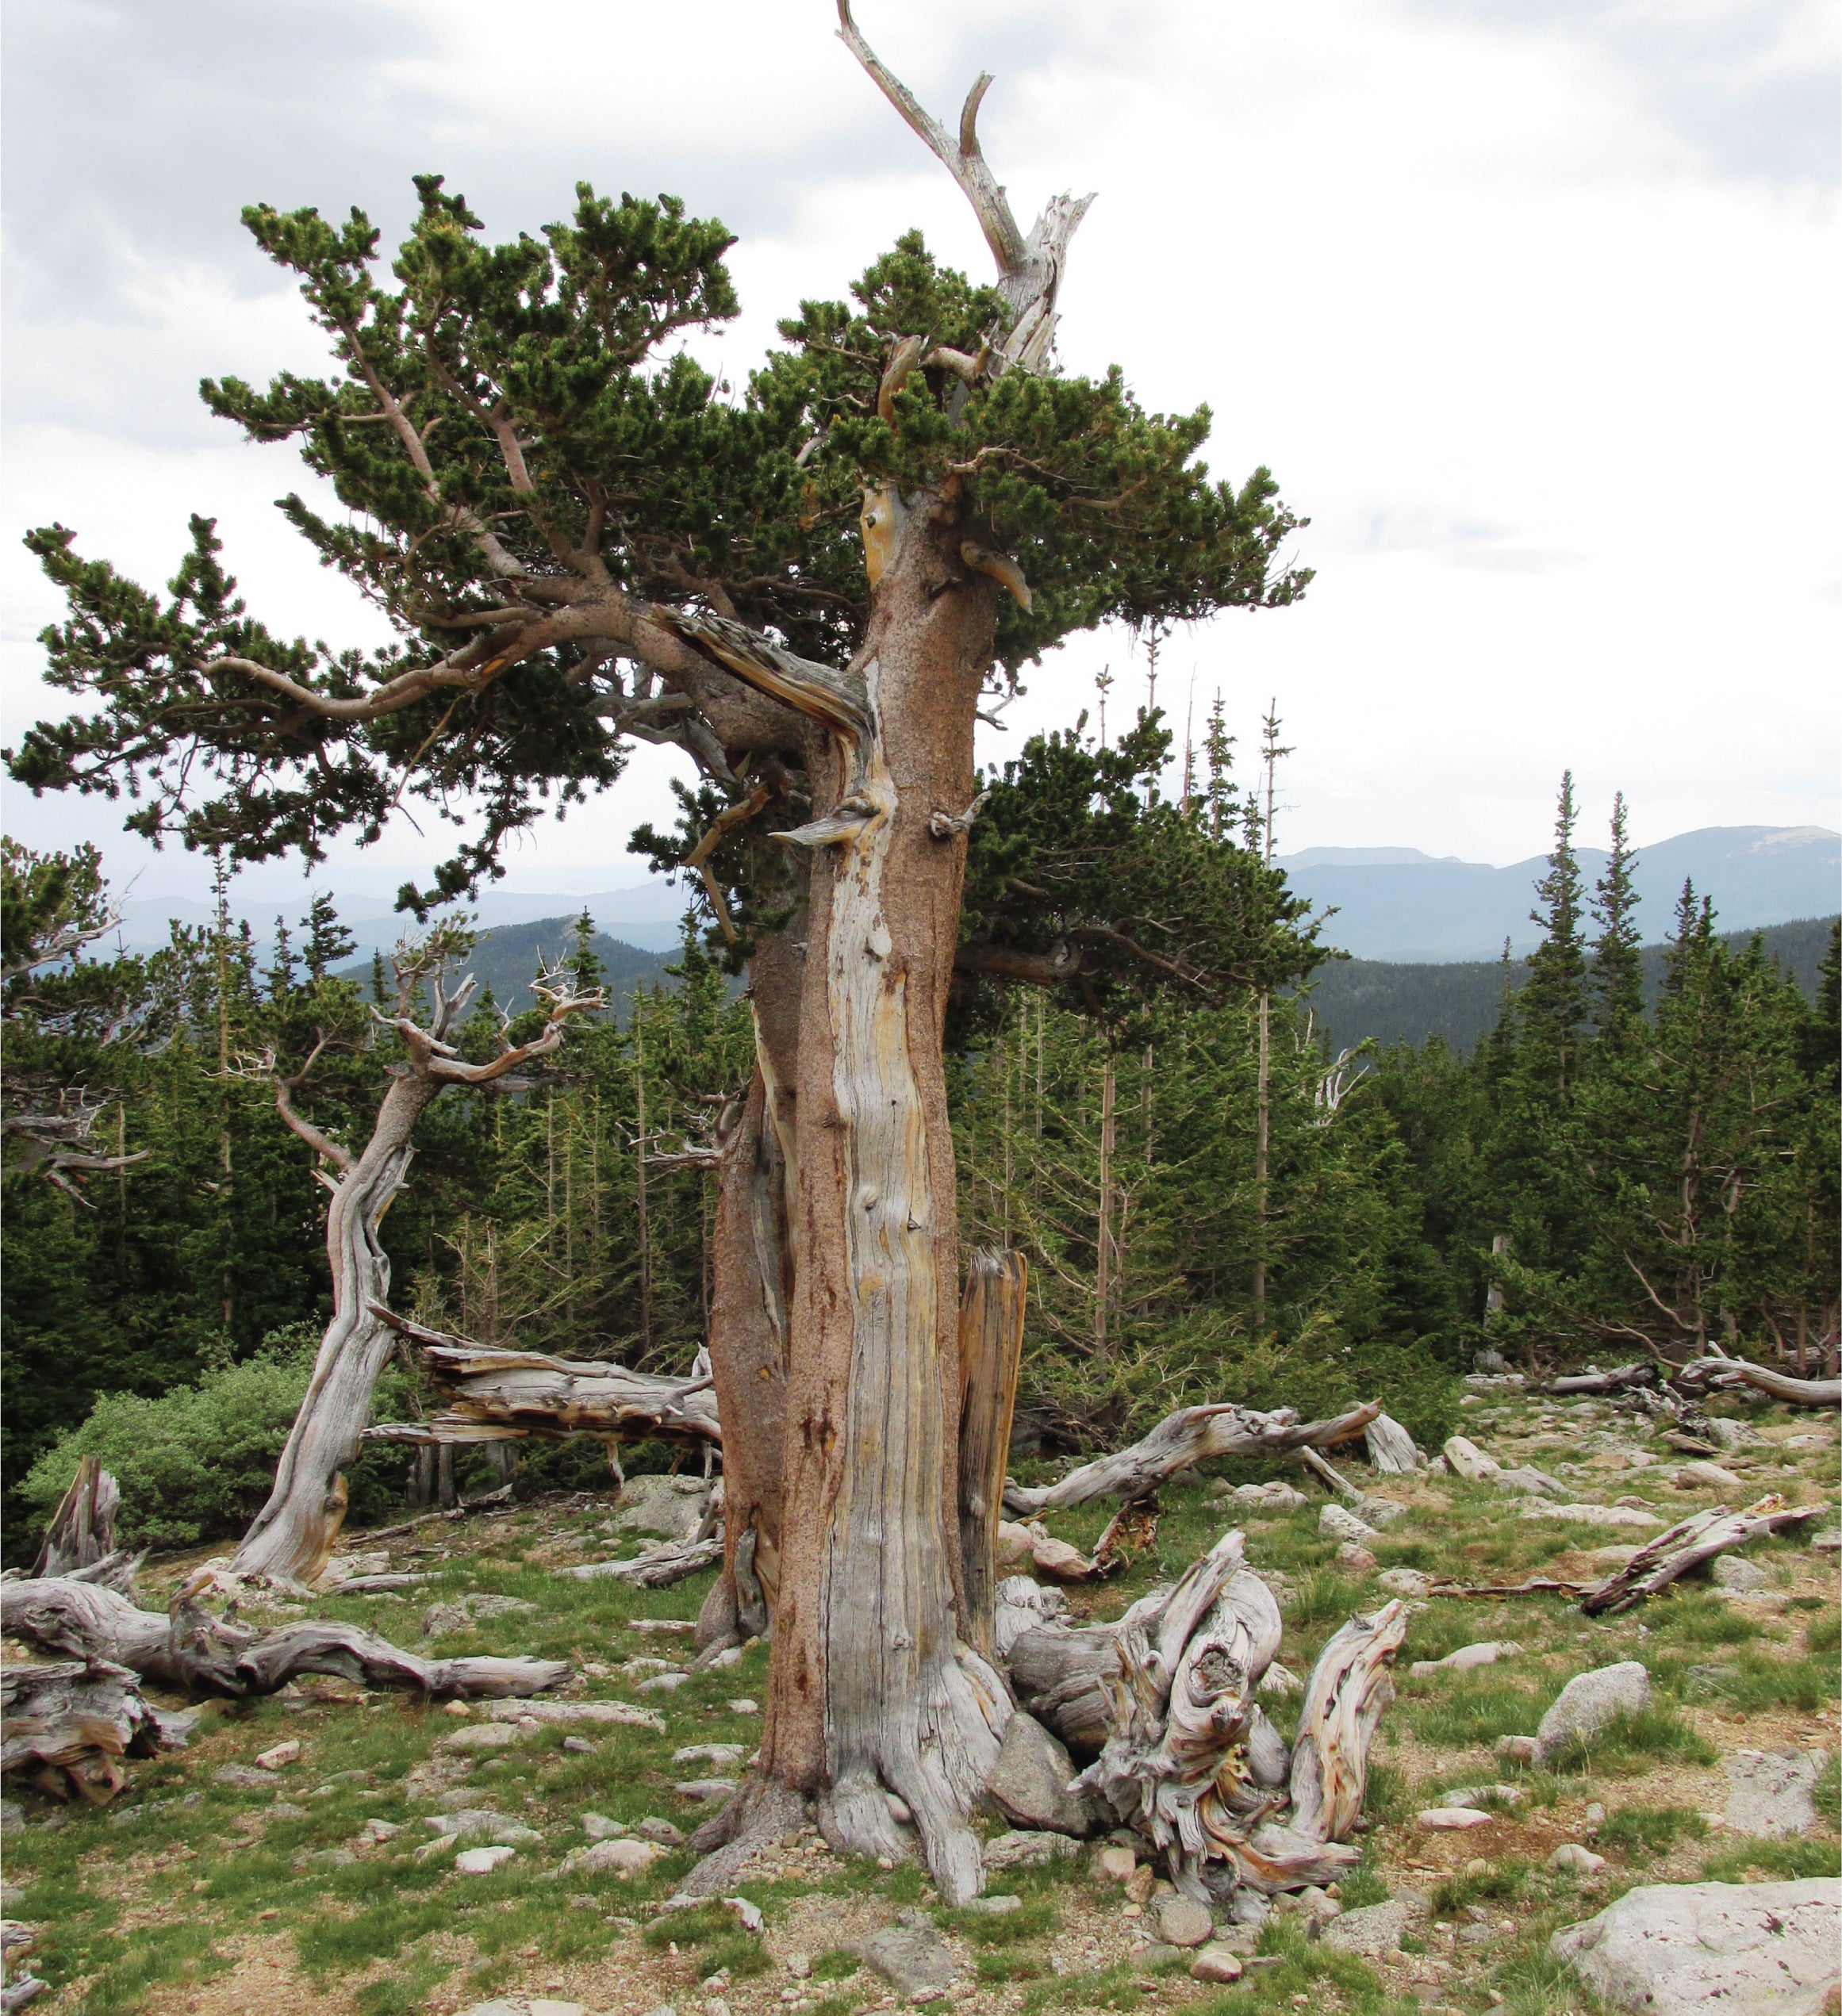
[1687,1545]
[82,1532]
[69,1727]
[186,1648]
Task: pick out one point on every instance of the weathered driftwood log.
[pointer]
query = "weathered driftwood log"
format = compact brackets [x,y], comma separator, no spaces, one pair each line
[1325,1474]
[1700,1374]
[70,1725]
[1687,1545]
[1349,1686]
[657,1570]
[1190,1436]
[492,1395]
[1061,1676]
[82,1531]
[187,1648]
[1639,1372]
[1390,1448]
[991,1354]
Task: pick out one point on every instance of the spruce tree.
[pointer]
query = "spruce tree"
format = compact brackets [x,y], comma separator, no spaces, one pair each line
[1553,1003]
[1618,974]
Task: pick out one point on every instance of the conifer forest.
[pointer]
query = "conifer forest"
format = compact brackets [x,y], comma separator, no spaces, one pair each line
[809,1478]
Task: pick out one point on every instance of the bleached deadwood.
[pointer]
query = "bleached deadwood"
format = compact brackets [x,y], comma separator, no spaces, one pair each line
[493,1395]
[1390,1448]
[1705,1374]
[657,1570]
[1349,1686]
[82,1531]
[294,1532]
[69,1725]
[1620,1379]
[1687,1545]
[1325,1474]
[1535,1585]
[1192,1435]
[991,1354]
[187,1648]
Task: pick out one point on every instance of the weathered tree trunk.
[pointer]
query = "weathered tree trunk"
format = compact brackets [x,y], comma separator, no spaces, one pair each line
[991,1356]
[70,1725]
[294,1532]
[1390,1448]
[82,1532]
[1191,1435]
[188,1648]
[1687,1545]
[1637,1373]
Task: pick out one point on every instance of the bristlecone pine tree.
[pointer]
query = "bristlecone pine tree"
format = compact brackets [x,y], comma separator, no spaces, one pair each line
[807,588]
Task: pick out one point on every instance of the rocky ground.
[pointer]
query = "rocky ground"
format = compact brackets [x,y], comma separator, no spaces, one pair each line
[513,1859]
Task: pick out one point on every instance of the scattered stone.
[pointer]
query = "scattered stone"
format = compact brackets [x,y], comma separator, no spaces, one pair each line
[899,1811]
[1275,1496]
[1032,1783]
[800,1966]
[1139,1885]
[1474,1796]
[1405,1582]
[240,1778]
[1486,1653]
[1596,1814]
[652,1828]
[671,1507]
[1518,1750]
[1182,1923]
[1115,1864]
[998,1906]
[1768,1791]
[1374,1932]
[1582,1861]
[1336,1523]
[1145,1958]
[742,1705]
[287,1752]
[1354,1556]
[1469,1461]
[621,1858]
[1528,1483]
[1028,1850]
[913,1960]
[1588,1701]
[1683,1950]
[381,1830]
[481,1861]
[1618,1515]
[1383,1512]
[597,1827]
[1216,1963]
[334,1858]
[1829,1542]
[578,1746]
[498,2007]
[1730,1434]
[1733,1571]
[441,1618]
[661,1683]
[707,1790]
[13,1815]
[1707,1477]
[1451,1820]
[720,1754]
[283,1810]
[549,2006]
[622,1712]
[1280,1681]
[479,1736]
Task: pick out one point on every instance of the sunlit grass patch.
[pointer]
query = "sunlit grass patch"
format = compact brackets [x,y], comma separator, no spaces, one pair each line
[1118,1988]
[1631,1741]
[1502,1883]
[1772,1861]
[1468,1711]
[1650,1830]
[1034,1919]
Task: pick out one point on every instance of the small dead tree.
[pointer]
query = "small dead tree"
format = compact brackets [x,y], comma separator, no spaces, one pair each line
[294,1532]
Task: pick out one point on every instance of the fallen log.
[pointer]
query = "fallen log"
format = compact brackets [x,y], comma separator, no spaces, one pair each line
[82,1532]
[1639,1372]
[498,1395]
[1192,1435]
[665,1564]
[187,1648]
[1703,1373]
[1536,1585]
[1687,1545]
[71,1724]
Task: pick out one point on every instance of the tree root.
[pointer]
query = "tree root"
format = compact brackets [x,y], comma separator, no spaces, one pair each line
[70,1725]
[762,1815]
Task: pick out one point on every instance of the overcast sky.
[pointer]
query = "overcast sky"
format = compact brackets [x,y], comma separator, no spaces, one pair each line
[1525,306]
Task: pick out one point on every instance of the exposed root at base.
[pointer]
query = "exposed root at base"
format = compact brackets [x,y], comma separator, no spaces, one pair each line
[762,1815]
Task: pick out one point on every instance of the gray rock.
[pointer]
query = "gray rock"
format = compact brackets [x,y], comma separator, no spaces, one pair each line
[1028,1850]
[1734,1571]
[722,1755]
[1155,1955]
[1336,1523]
[1405,1582]
[12,1815]
[243,1777]
[578,1746]
[1730,1434]
[1383,1512]
[1768,1791]
[998,1906]
[1529,1483]
[662,1505]
[1708,1477]
[498,2007]
[597,1827]
[1181,1922]
[652,1828]
[912,1959]
[1469,1461]
[1250,1910]
[1692,1948]
[1571,1855]
[1374,1931]
[1588,1701]
[713,1791]
[1829,1542]
[1032,1782]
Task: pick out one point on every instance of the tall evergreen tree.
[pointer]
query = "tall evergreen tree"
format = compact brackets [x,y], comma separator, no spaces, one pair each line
[1618,976]
[1552,1002]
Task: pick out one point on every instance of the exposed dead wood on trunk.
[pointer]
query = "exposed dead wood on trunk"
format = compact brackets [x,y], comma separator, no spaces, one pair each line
[494,1395]
[1390,1448]
[82,1531]
[991,1356]
[1192,1435]
[187,1648]
[70,1725]
[1707,1373]
[294,1532]
[1687,1545]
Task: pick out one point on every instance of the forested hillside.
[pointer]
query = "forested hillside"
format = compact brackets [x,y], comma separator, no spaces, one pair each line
[1662,1169]
[505,959]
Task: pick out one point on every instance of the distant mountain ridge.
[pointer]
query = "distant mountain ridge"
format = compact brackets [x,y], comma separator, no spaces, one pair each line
[1396,904]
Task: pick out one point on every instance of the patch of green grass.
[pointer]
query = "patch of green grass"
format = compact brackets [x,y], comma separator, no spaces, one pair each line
[403,1995]
[1633,1740]
[1385,1793]
[1650,1828]
[1008,1965]
[740,1955]
[337,1945]
[693,1928]
[1771,1861]
[1035,1919]
[1475,1714]
[1362,1886]
[1501,1882]
[836,1965]
[1117,1988]
[1318,1975]
[1321,1595]
[1693,1619]
[1823,1635]
[1826,1795]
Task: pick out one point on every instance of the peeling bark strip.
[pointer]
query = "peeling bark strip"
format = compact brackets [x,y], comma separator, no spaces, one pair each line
[495,1396]
[1192,1435]
[187,1648]
[991,1356]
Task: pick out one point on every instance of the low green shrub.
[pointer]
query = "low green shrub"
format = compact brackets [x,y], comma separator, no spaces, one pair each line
[197,1463]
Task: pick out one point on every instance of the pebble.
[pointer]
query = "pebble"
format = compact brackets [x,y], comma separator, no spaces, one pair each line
[1570,1855]
[1448,1820]
[481,1861]
[652,1828]
[1216,1964]
[1139,1885]
[578,1746]
[800,1966]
